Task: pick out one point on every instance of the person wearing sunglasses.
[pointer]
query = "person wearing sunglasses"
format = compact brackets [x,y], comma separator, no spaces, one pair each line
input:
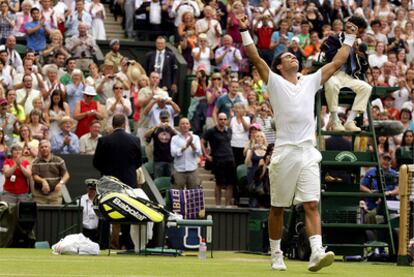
[118,105]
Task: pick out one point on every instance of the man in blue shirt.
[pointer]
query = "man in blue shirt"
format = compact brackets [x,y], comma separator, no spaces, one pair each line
[65,142]
[36,31]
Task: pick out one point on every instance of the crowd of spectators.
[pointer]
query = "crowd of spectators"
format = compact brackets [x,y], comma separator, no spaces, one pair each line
[56,92]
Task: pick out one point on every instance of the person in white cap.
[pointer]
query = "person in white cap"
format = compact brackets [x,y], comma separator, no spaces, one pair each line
[86,111]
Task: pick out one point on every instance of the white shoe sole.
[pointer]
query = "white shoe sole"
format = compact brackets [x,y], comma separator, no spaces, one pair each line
[326,261]
[279,268]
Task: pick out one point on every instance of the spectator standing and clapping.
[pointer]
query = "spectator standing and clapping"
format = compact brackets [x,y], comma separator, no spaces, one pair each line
[30,146]
[55,46]
[164,63]
[185,149]
[221,156]
[65,142]
[7,121]
[281,39]
[13,58]
[66,78]
[87,111]
[239,125]
[214,91]
[89,141]
[14,108]
[254,154]
[95,77]
[118,105]
[97,11]
[82,47]
[179,7]
[17,172]
[187,37]
[51,83]
[74,90]
[49,174]
[7,21]
[80,15]
[226,102]
[228,55]
[22,18]
[210,27]
[161,135]
[202,54]
[57,109]
[36,31]
[197,112]
[158,104]
[265,120]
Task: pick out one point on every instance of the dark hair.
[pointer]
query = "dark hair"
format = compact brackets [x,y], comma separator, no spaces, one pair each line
[70,59]
[61,101]
[404,136]
[94,122]
[358,21]
[276,61]
[34,9]
[386,143]
[375,22]
[2,62]
[118,121]
[407,111]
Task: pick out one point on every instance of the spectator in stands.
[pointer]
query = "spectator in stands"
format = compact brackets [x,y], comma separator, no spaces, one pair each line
[51,83]
[22,18]
[227,101]
[38,129]
[202,54]
[378,58]
[37,30]
[55,46]
[312,50]
[37,104]
[239,125]
[404,153]
[82,47]
[197,112]
[118,105]
[214,91]
[5,79]
[89,141]
[67,76]
[228,54]
[185,149]
[232,27]
[17,172]
[29,68]
[388,77]
[48,14]
[14,108]
[114,56]
[7,21]
[222,158]
[369,184]
[187,37]
[164,63]
[376,30]
[158,104]
[266,122]
[14,58]
[123,76]
[97,11]
[78,16]
[87,111]
[3,156]
[30,146]
[7,121]
[304,33]
[388,104]
[254,154]
[90,220]
[180,7]
[281,39]
[252,99]
[145,96]
[95,77]
[57,109]
[263,28]
[7,68]
[65,142]
[209,26]
[161,135]
[74,90]
[105,89]
[398,41]
[49,175]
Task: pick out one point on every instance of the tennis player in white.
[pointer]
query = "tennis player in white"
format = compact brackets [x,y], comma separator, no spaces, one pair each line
[294,168]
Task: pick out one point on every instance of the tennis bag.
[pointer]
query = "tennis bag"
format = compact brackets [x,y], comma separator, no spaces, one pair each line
[117,202]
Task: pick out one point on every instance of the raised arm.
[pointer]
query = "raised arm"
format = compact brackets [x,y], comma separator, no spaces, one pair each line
[342,55]
[251,49]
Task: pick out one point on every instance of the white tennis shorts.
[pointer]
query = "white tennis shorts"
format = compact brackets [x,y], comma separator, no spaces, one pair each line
[294,175]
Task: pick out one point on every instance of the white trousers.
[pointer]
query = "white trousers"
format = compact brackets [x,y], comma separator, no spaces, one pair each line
[339,80]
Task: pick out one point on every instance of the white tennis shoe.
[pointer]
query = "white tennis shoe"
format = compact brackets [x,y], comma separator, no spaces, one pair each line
[277,261]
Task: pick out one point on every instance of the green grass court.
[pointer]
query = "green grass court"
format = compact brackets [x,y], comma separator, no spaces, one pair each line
[41,262]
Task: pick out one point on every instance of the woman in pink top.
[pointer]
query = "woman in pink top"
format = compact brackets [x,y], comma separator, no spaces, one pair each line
[22,18]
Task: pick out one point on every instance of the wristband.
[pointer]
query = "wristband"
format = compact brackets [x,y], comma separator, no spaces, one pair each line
[349,40]
[246,38]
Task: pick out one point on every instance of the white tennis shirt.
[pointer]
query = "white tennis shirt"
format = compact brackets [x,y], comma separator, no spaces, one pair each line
[293,107]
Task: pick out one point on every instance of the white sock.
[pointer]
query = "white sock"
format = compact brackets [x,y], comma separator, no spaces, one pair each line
[334,116]
[274,245]
[315,242]
[351,116]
